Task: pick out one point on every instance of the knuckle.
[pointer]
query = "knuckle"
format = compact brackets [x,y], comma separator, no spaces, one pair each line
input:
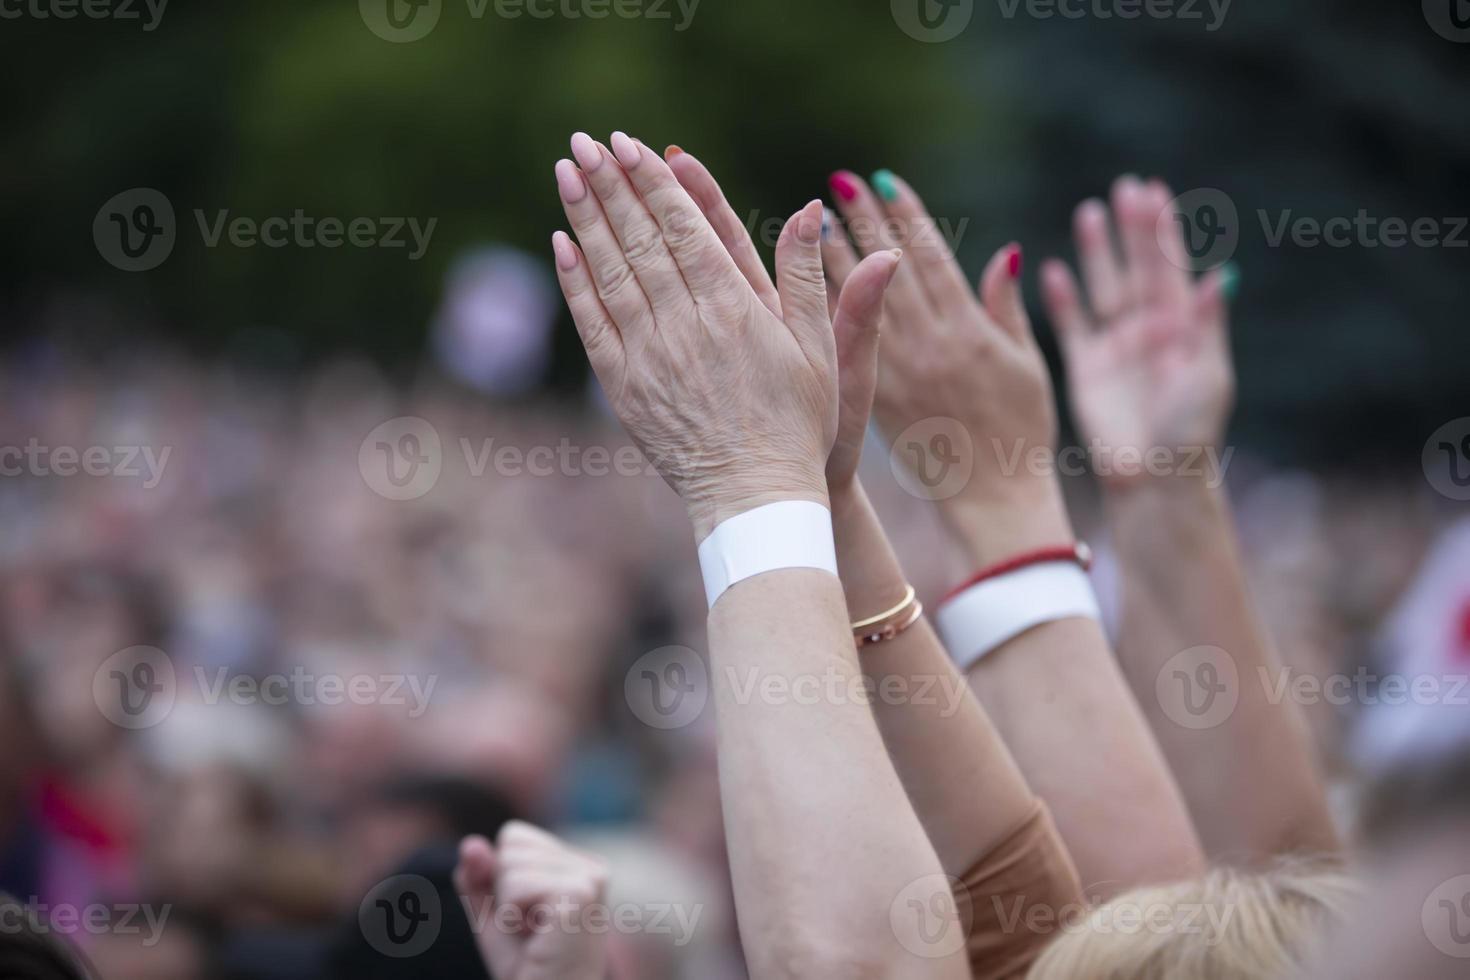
[644,246]
[614,280]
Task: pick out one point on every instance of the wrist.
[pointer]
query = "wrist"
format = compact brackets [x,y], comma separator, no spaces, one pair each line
[734,496]
[997,527]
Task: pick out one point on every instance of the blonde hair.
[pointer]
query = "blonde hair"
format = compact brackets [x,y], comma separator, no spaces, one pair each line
[1228,925]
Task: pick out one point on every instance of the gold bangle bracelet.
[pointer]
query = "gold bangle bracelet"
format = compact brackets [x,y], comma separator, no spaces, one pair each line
[891,630]
[863,624]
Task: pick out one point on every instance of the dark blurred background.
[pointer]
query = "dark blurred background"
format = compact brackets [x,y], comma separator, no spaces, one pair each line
[1318,107]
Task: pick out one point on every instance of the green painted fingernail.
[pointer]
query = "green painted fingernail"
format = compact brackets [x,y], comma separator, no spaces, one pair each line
[1230,280]
[886,185]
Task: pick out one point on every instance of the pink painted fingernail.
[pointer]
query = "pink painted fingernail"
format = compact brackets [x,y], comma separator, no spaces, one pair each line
[587,152]
[566,256]
[569,182]
[844,185]
[626,150]
[1015,262]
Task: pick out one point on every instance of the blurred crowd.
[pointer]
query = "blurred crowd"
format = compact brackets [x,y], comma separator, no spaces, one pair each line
[490,626]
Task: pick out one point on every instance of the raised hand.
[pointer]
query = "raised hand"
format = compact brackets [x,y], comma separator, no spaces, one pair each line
[528,896]
[1148,358]
[950,354]
[733,401]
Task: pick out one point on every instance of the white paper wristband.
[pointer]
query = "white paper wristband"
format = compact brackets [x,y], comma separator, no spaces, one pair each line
[788,534]
[987,615]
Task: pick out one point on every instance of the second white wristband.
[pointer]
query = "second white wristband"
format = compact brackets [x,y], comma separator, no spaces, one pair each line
[787,534]
[987,615]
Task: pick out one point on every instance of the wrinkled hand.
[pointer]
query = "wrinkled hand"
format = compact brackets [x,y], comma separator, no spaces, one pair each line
[731,393]
[948,354]
[1148,363]
[526,897]
[856,313]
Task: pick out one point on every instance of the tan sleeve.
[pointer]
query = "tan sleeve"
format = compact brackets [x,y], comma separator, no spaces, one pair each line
[1012,900]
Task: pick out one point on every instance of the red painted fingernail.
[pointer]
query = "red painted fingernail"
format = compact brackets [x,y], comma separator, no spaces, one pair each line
[843,185]
[1015,263]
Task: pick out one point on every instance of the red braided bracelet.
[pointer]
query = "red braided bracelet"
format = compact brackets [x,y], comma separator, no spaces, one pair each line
[1079,553]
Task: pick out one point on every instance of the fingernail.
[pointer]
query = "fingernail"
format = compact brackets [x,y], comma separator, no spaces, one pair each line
[625,150]
[886,185]
[569,182]
[843,185]
[587,152]
[809,224]
[673,151]
[566,256]
[897,254]
[826,224]
[1229,281]
[1015,262]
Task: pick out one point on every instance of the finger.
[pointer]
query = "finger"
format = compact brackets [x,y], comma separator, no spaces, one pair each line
[1101,270]
[1136,231]
[856,327]
[1174,271]
[1063,303]
[839,258]
[1212,300]
[869,229]
[1000,293]
[704,263]
[638,234]
[801,282]
[616,285]
[515,833]
[921,239]
[695,178]
[595,325]
[546,895]
[475,871]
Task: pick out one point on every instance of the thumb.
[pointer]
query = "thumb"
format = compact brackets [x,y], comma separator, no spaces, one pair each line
[860,313]
[801,281]
[856,328]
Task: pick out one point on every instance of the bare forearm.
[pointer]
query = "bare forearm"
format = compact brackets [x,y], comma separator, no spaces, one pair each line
[808,788]
[1247,771]
[959,775]
[1069,718]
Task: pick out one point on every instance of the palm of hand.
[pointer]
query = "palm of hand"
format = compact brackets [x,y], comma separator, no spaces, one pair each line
[1151,379]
